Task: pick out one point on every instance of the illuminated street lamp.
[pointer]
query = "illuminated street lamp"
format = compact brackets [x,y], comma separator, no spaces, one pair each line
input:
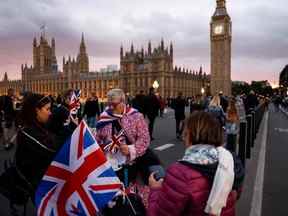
[202,91]
[155,85]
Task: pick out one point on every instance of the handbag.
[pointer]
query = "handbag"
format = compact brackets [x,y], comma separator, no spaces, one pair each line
[13,186]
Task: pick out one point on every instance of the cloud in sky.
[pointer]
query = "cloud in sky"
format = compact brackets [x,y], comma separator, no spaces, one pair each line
[259,31]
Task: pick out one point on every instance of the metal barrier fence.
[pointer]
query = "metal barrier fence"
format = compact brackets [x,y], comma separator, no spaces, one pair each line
[248,131]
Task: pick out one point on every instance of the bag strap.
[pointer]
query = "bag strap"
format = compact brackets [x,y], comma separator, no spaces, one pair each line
[36,141]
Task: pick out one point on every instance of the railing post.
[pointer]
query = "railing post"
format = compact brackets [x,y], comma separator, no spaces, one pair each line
[253,128]
[242,141]
[249,136]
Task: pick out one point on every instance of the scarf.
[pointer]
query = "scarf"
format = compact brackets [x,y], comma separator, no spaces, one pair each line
[111,146]
[108,116]
[224,177]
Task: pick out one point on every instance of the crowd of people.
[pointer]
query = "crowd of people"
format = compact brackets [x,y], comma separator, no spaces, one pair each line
[206,181]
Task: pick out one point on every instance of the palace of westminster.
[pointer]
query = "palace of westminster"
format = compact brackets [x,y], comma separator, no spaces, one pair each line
[139,69]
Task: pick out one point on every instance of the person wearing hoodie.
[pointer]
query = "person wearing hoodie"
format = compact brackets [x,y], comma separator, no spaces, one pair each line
[206,181]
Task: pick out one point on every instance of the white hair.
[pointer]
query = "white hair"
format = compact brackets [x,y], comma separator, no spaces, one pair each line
[116,94]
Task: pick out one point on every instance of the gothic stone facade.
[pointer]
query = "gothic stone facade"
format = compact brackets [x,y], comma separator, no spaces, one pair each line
[221,37]
[138,71]
[45,78]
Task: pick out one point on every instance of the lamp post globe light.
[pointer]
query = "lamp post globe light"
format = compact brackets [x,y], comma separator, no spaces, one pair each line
[155,85]
[202,91]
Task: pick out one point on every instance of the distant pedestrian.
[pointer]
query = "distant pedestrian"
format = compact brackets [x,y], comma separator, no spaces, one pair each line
[152,106]
[9,113]
[179,108]
[251,102]
[216,110]
[139,102]
[232,126]
[162,105]
[223,101]
[196,104]
[91,110]
[240,108]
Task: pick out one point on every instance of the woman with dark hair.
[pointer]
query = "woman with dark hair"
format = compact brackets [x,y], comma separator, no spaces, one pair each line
[36,147]
[205,181]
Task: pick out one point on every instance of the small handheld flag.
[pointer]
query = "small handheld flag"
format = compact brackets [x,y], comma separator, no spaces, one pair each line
[74,105]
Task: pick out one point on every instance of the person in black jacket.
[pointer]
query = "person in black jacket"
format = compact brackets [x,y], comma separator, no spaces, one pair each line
[179,108]
[36,146]
[91,110]
[251,102]
[7,108]
[152,106]
[139,102]
[223,101]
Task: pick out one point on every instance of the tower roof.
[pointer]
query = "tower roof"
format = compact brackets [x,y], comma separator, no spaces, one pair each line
[221,8]
[5,77]
[82,44]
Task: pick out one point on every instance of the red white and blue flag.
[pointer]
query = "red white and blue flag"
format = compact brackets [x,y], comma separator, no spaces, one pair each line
[79,181]
[74,105]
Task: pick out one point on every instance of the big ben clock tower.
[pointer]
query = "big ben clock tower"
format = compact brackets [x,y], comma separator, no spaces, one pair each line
[221,37]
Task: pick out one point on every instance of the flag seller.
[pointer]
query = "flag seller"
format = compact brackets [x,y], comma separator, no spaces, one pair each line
[123,134]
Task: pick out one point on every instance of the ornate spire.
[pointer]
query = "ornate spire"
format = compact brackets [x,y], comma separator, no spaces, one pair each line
[162,44]
[82,44]
[149,48]
[121,51]
[171,49]
[35,42]
[5,77]
[200,70]
[82,58]
[132,49]
[53,42]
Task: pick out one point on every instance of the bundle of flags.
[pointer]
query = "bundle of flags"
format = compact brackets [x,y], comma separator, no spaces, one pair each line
[79,181]
[75,104]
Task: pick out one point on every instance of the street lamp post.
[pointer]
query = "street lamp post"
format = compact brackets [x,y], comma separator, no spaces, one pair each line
[202,91]
[155,85]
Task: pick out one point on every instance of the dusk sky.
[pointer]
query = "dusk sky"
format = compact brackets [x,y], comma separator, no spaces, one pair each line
[259,46]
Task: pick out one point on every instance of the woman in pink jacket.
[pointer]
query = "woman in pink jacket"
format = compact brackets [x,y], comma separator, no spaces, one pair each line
[205,181]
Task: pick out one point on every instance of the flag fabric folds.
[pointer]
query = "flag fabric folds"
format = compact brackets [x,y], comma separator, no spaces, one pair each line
[74,105]
[79,181]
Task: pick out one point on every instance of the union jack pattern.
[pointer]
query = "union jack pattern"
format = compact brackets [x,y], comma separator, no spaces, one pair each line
[79,181]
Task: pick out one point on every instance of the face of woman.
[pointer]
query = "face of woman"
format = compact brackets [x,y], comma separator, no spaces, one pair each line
[116,106]
[43,113]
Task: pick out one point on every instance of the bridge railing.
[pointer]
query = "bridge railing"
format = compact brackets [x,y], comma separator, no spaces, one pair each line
[248,131]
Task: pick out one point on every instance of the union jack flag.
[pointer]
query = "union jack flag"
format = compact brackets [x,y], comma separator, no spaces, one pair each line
[115,143]
[74,105]
[79,181]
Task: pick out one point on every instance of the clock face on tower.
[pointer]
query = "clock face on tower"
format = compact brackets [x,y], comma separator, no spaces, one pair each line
[218,29]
